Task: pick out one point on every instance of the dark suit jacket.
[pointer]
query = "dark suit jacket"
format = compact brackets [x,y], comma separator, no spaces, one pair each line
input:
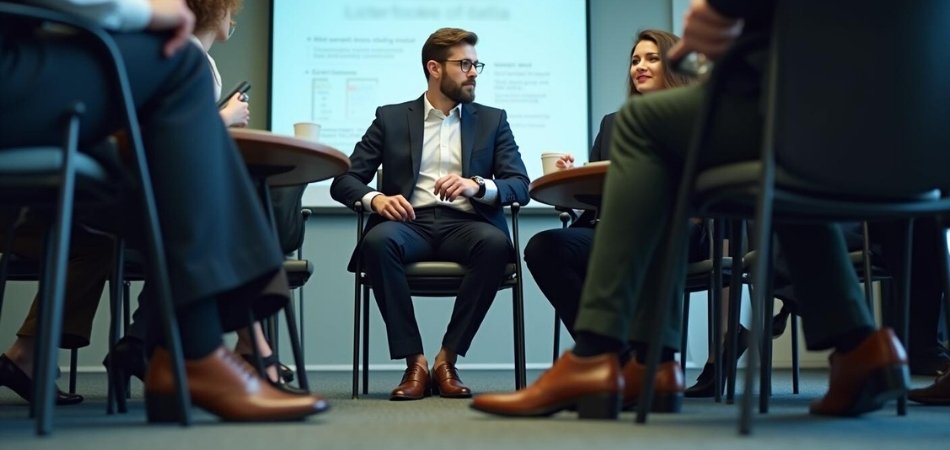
[395,140]
[599,152]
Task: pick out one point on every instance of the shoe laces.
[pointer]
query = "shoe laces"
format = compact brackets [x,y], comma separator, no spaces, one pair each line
[245,370]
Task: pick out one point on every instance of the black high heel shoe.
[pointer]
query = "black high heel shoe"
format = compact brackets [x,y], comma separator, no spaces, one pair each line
[706,381]
[284,374]
[128,359]
[12,377]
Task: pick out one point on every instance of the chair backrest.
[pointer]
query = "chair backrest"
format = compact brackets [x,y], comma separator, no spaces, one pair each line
[862,94]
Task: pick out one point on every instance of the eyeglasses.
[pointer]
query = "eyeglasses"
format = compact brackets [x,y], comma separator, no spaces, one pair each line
[467,64]
[231,27]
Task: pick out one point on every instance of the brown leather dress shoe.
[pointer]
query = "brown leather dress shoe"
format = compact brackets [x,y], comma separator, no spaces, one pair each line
[414,384]
[937,393]
[667,391]
[224,385]
[863,379]
[446,382]
[591,384]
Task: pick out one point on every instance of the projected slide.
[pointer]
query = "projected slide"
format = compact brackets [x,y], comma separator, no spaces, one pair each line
[335,62]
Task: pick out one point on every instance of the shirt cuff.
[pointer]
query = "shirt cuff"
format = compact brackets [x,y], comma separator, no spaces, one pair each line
[491,193]
[368,201]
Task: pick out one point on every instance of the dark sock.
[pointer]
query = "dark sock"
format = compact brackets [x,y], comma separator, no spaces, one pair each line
[851,339]
[640,350]
[200,328]
[591,344]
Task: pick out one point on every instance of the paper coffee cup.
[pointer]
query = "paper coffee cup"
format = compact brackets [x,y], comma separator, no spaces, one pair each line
[308,131]
[549,162]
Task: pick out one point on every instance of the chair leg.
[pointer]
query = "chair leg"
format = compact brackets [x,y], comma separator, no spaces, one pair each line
[684,333]
[868,274]
[715,301]
[117,381]
[736,250]
[296,347]
[945,274]
[366,294]
[518,318]
[357,300]
[51,319]
[73,357]
[557,338]
[796,371]
[903,310]
[765,365]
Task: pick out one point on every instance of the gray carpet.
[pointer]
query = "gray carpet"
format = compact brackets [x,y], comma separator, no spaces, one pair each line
[374,422]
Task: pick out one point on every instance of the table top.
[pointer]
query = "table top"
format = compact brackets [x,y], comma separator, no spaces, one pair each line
[576,188]
[286,160]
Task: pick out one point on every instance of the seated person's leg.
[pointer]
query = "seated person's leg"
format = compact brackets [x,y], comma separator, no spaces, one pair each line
[385,250]
[557,259]
[867,367]
[88,267]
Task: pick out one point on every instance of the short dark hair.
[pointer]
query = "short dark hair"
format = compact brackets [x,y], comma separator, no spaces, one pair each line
[664,42]
[437,46]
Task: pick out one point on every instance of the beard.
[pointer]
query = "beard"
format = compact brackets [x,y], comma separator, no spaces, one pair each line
[457,92]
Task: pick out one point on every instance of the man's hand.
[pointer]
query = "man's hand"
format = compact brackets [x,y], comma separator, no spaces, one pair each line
[452,186]
[706,32]
[394,207]
[172,15]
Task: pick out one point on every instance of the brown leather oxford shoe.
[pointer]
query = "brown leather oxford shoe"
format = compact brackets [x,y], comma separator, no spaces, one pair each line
[591,384]
[937,393]
[863,379]
[224,385]
[414,384]
[667,391]
[446,382]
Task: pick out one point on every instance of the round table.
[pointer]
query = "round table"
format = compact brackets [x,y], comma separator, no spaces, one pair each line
[286,160]
[576,188]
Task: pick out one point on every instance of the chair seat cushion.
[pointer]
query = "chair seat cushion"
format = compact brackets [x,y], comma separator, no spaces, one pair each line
[298,271]
[731,189]
[32,173]
[444,269]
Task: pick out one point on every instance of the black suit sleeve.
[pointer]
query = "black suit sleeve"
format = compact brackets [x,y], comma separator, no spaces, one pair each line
[366,158]
[509,172]
[754,10]
[601,149]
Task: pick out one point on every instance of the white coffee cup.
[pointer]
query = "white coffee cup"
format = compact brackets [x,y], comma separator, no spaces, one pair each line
[549,162]
[308,131]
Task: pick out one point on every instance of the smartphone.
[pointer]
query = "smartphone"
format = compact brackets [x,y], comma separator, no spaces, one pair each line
[241,87]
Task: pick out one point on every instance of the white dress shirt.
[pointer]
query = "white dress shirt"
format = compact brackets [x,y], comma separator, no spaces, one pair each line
[120,15]
[441,156]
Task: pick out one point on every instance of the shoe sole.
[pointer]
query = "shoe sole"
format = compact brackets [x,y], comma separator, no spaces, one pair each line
[882,386]
[596,406]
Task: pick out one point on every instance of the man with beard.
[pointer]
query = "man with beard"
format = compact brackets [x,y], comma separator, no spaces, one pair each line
[449,166]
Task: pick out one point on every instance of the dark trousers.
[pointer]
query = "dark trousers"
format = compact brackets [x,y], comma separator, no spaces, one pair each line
[557,259]
[215,235]
[444,234]
[650,138]
[926,287]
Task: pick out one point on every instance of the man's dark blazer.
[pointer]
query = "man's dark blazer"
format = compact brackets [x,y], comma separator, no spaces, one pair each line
[395,140]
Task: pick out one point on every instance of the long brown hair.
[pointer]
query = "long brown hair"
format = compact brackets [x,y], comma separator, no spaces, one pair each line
[664,42]
[209,12]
